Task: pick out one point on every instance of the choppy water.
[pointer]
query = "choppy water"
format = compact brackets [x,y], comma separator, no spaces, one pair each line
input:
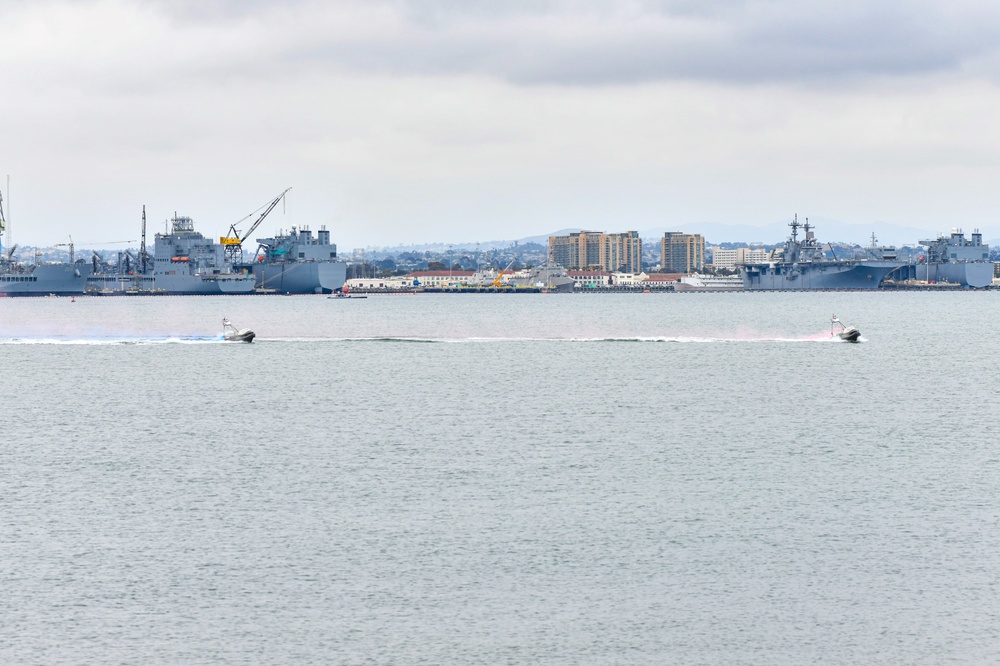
[648,478]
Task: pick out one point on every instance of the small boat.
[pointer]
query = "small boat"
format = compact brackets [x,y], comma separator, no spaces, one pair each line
[345,293]
[845,333]
[230,333]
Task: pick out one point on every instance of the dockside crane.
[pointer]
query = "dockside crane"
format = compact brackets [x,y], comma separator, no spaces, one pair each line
[233,241]
[72,253]
[498,283]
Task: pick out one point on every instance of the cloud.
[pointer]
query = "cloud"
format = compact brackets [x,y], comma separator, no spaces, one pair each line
[400,121]
[615,42]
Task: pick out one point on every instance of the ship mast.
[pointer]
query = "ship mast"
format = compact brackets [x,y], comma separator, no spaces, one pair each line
[142,247]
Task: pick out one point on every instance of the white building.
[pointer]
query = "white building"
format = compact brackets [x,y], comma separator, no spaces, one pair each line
[723,258]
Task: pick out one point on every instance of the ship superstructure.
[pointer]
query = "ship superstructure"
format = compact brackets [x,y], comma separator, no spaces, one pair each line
[956,260]
[186,262]
[801,265]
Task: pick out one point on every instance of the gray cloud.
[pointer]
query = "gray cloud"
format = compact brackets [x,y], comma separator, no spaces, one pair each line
[622,42]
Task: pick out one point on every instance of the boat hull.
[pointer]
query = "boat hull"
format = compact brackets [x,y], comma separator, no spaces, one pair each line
[172,285]
[978,275]
[305,277]
[833,275]
[46,279]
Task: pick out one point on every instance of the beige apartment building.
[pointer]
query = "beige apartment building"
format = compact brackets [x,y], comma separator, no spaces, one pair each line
[682,253]
[592,249]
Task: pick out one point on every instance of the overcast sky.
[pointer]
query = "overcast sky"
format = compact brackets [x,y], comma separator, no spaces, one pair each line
[405,121]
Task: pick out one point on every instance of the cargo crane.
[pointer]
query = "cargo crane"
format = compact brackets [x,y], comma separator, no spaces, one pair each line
[233,241]
[497,283]
[96,258]
[72,254]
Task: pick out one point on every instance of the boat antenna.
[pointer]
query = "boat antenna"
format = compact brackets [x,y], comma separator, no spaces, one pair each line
[832,250]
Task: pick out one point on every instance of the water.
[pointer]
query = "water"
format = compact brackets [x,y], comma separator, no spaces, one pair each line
[564,479]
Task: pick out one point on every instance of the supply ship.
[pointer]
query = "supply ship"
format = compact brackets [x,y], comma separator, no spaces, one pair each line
[297,263]
[953,260]
[52,279]
[801,265]
[184,262]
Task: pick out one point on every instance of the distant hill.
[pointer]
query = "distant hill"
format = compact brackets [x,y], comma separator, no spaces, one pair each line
[827,230]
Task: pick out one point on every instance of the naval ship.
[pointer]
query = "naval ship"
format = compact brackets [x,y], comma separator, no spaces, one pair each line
[801,265]
[184,262]
[19,279]
[550,276]
[955,260]
[297,263]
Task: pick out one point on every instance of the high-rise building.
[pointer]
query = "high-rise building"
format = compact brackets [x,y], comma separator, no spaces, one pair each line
[610,252]
[682,253]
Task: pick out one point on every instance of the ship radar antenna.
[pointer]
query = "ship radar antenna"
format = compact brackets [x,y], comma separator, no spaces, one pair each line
[794,224]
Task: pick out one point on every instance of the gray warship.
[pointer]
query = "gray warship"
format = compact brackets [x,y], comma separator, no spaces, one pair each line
[183,262]
[955,260]
[20,279]
[550,276]
[298,263]
[801,265]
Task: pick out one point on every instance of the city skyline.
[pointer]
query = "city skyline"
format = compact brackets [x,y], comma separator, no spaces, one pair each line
[395,122]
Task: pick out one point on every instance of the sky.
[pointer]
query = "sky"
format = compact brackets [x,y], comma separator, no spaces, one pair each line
[411,121]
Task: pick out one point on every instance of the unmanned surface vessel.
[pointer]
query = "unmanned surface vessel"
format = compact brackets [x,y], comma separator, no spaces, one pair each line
[845,333]
[231,334]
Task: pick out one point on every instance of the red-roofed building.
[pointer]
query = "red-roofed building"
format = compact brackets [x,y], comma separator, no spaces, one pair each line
[663,279]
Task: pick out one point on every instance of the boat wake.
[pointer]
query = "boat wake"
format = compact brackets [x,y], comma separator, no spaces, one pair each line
[732,338]
[167,340]
[218,339]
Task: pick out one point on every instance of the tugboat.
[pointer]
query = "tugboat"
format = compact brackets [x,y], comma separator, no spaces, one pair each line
[231,334]
[845,333]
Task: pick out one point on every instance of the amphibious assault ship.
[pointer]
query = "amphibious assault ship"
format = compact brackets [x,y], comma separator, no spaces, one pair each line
[801,265]
[20,279]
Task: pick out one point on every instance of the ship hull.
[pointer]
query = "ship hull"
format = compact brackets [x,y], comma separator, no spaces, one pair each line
[58,279]
[973,274]
[171,285]
[832,275]
[306,277]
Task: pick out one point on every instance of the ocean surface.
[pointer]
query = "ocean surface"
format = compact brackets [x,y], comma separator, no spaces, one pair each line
[500,479]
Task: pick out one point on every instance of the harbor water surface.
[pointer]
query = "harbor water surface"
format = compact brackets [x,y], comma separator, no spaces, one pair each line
[556,479]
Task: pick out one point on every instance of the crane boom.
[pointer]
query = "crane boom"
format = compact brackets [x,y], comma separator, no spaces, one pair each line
[233,242]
